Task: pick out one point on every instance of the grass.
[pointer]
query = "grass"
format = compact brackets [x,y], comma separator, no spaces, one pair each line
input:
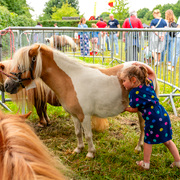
[115,157]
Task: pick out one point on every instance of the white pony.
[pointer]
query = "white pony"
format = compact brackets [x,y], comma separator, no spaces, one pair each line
[82,90]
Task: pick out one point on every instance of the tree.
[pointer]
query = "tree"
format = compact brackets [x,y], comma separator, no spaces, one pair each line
[142,12]
[58,4]
[121,10]
[65,11]
[176,9]
[105,15]
[19,7]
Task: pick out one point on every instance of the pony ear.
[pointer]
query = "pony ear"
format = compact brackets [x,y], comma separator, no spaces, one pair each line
[25,116]
[34,50]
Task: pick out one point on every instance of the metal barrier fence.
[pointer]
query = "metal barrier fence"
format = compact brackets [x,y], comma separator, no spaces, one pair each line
[144,45]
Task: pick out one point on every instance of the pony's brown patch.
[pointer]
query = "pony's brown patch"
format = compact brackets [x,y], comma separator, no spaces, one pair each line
[64,89]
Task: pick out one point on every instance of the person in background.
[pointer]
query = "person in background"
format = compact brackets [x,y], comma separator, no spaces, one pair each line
[132,40]
[84,38]
[55,25]
[157,43]
[114,23]
[169,16]
[102,35]
[142,97]
[94,39]
[177,49]
[107,39]
[38,36]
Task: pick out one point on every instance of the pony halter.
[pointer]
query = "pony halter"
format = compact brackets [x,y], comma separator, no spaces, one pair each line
[17,76]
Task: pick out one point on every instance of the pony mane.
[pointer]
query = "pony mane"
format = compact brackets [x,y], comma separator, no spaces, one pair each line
[23,155]
[21,60]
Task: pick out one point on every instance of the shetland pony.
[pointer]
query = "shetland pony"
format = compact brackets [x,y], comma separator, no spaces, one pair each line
[39,96]
[82,90]
[60,42]
[22,154]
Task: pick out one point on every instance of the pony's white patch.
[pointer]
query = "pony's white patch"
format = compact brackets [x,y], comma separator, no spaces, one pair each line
[97,93]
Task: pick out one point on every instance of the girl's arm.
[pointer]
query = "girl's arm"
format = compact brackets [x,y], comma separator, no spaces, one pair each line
[130,109]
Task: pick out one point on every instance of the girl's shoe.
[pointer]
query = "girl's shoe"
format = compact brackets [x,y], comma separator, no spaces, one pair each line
[143,165]
[175,164]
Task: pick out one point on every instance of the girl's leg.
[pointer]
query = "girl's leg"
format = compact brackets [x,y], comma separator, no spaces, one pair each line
[173,149]
[147,152]
[145,164]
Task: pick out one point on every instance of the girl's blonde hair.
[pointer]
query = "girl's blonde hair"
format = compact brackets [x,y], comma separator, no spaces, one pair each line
[169,15]
[81,20]
[139,72]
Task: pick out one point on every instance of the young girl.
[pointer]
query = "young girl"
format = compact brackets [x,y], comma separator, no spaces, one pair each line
[142,97]
[94,39]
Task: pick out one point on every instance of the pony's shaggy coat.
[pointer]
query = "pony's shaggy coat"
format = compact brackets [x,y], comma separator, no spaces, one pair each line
[22,155]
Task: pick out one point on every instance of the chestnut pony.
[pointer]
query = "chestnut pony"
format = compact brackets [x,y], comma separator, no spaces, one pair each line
[39,96]
[22,154]
[83,90]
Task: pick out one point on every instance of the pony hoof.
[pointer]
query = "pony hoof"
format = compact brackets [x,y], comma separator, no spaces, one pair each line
[138,149]
[90,155]
[40,125]
[77,150]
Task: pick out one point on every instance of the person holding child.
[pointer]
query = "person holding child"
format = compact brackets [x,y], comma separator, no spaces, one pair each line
[142,97]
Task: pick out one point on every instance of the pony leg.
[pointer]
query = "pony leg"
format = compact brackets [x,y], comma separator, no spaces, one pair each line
[88,135]
[39,110]
[79,134]
[141,138]
[46,117]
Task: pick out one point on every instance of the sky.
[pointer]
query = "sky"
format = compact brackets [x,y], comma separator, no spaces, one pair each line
[86,7]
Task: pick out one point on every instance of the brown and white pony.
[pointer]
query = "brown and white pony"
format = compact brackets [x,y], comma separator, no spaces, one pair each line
[59,42]
[39,96]
[22,154]
[82,90]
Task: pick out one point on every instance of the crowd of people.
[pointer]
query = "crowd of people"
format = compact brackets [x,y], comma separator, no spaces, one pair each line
[159,42]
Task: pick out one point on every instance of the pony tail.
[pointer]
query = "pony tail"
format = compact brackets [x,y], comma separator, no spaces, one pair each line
[145,74]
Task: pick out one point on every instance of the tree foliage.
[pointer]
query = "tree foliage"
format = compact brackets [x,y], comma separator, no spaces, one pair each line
[121,11]
[12,19]
[19,7]
[48,11]
[65,11]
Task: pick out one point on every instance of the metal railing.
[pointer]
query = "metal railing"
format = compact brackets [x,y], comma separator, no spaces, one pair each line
[140,45]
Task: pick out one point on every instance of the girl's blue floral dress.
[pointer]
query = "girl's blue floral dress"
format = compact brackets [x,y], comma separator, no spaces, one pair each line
[157,122]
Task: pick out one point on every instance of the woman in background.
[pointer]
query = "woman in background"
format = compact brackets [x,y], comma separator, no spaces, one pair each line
[84,38]
[157,43]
